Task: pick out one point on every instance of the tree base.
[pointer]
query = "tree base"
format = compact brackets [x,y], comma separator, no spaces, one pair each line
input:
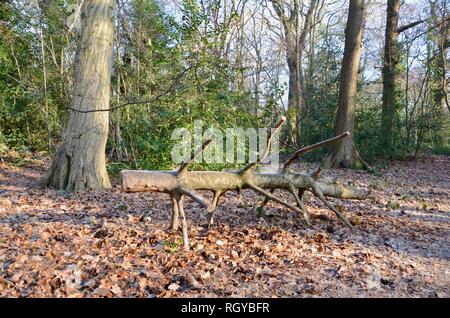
[339,158]
[75,173]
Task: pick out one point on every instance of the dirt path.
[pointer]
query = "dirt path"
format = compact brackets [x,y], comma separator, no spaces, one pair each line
[108,243]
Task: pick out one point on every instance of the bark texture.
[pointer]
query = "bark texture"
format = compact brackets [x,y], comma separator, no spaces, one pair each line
[391,59]
[343,152]
[441,41]
[80,162]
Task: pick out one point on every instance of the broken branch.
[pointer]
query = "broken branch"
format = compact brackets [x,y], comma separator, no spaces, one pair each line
[301,151]
[268,145]
[198,151]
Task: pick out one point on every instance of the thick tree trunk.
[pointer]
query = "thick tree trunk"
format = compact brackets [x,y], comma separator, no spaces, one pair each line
[343,152]
[389,76]
[80,162]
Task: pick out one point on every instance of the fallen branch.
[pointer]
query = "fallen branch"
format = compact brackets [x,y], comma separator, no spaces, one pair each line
[182,182]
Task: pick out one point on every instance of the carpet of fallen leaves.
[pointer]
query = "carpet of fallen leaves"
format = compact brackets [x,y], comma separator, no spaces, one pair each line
[113,244]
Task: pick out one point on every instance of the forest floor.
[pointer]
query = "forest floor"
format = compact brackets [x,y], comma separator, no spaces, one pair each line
[114,244]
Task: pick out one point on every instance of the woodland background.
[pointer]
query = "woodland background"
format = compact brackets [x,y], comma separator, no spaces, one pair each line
[226,62]
[231,63]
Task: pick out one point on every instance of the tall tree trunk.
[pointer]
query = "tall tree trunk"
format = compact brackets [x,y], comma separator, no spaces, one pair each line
[258,82]
[301,81]
[439,37]
[343,153]
[293,98]
[389,76]
[295,41]
[80,162]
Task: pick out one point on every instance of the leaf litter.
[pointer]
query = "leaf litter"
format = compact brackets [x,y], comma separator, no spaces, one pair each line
[114,244]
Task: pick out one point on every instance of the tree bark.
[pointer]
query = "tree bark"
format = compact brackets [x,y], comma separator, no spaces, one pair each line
[169,181]
[292,59]
[440,36]
[80,162]
[343,152]
[293,98]
[391,58]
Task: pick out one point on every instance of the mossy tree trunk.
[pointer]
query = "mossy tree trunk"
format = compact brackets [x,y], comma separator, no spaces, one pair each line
[440,37]
[391,59]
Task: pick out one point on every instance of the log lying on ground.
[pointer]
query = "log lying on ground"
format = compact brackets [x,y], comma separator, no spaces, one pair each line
[181,183]
[218,181]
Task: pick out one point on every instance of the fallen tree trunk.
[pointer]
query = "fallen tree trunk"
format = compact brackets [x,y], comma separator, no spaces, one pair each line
[217,181]
[181,182]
